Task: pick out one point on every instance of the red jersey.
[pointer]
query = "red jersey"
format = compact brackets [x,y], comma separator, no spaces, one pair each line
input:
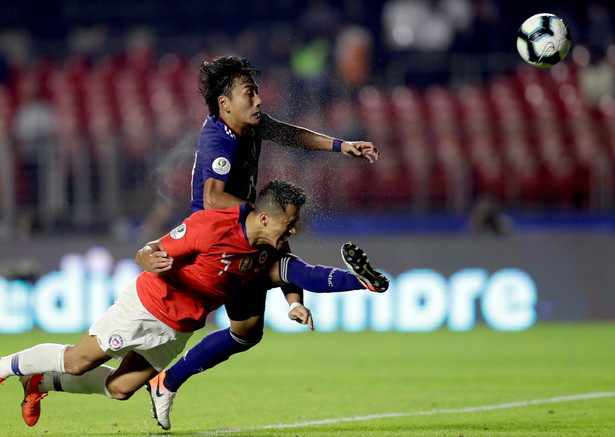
[212,260]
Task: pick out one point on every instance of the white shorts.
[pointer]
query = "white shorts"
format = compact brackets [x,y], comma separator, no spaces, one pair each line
[128,326]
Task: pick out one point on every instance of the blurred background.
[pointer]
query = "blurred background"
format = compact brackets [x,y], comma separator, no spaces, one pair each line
[100,114]
[100,108]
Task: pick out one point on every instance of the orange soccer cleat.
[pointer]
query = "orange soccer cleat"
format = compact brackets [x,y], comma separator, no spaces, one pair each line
[31,405]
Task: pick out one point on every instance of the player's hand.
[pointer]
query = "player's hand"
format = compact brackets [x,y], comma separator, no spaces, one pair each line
[160,262]
[301,314]
[360,149]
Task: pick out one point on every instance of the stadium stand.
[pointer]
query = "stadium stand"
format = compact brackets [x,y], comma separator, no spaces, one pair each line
[533,139]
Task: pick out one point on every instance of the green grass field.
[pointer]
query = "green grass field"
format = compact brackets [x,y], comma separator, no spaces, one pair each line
[476,383]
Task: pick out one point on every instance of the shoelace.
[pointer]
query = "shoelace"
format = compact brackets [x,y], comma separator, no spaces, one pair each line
[32,402]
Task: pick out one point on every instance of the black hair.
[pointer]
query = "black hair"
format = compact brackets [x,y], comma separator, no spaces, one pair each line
[217,78]
[277,195]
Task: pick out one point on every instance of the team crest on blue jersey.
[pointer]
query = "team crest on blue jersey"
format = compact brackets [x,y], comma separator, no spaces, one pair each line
[245,264]
[221,165]
[116,342]
[178,232]
[262,257]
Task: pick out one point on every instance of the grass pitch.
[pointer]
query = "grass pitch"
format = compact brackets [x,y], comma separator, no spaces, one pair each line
[442,383]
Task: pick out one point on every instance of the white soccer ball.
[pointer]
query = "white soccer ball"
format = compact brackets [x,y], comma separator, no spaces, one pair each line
[543,40]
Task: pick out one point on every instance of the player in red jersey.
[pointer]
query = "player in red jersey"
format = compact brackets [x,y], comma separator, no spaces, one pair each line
[189,272]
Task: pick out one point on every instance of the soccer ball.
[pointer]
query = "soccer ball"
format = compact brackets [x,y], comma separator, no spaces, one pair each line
[543,40]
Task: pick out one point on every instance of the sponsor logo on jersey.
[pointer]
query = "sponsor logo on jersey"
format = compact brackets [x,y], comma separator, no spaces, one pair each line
[116,342]
[262,257]
[221,165]
[178,232]
[245,264]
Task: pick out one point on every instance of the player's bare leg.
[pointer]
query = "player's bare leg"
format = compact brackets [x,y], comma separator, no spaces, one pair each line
[84,356]
[130,376]
[248,328]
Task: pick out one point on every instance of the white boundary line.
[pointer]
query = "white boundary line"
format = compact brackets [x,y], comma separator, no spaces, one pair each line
[578,397]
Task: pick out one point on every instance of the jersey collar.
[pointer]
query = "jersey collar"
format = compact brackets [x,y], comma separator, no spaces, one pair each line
[244,210]
[237,134]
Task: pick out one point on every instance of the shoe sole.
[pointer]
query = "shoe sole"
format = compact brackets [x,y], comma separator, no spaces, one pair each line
[356,260]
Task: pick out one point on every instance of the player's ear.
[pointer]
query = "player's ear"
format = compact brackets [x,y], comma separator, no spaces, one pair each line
[223,102]
[263,218]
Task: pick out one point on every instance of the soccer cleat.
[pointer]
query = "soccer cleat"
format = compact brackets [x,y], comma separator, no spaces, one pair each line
[31,404]
[357,262]
[162,400]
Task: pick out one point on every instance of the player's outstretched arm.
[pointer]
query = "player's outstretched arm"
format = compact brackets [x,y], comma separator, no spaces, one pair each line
[299,137]
[153,258]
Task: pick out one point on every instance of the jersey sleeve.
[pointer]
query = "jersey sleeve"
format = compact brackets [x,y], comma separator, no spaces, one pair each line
[217,149]
[192,236]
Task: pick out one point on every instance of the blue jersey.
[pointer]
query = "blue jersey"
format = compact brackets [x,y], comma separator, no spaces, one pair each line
[233,159]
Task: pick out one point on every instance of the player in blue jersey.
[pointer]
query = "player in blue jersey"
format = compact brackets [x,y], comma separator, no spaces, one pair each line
[224,175]
[226,164]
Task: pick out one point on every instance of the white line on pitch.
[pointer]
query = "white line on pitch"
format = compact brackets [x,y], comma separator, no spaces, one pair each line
[578,397]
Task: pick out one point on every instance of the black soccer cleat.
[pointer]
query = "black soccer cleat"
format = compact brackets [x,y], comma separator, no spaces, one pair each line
[357,262]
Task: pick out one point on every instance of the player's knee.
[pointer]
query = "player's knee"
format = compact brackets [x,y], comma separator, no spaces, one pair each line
[120,395]
[117,391]
[246,342]
[78,367]
[77,361]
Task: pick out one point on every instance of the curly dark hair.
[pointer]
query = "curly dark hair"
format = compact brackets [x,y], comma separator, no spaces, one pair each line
[217,78]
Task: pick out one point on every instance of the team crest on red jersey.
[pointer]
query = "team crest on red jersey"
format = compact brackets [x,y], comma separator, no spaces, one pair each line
[262,257]
[245,264]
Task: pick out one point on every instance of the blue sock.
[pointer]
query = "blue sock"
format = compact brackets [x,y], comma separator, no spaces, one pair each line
[213,349]
[318,279]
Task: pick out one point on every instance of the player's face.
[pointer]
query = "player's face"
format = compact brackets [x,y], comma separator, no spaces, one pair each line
[244,107]
[282,226]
